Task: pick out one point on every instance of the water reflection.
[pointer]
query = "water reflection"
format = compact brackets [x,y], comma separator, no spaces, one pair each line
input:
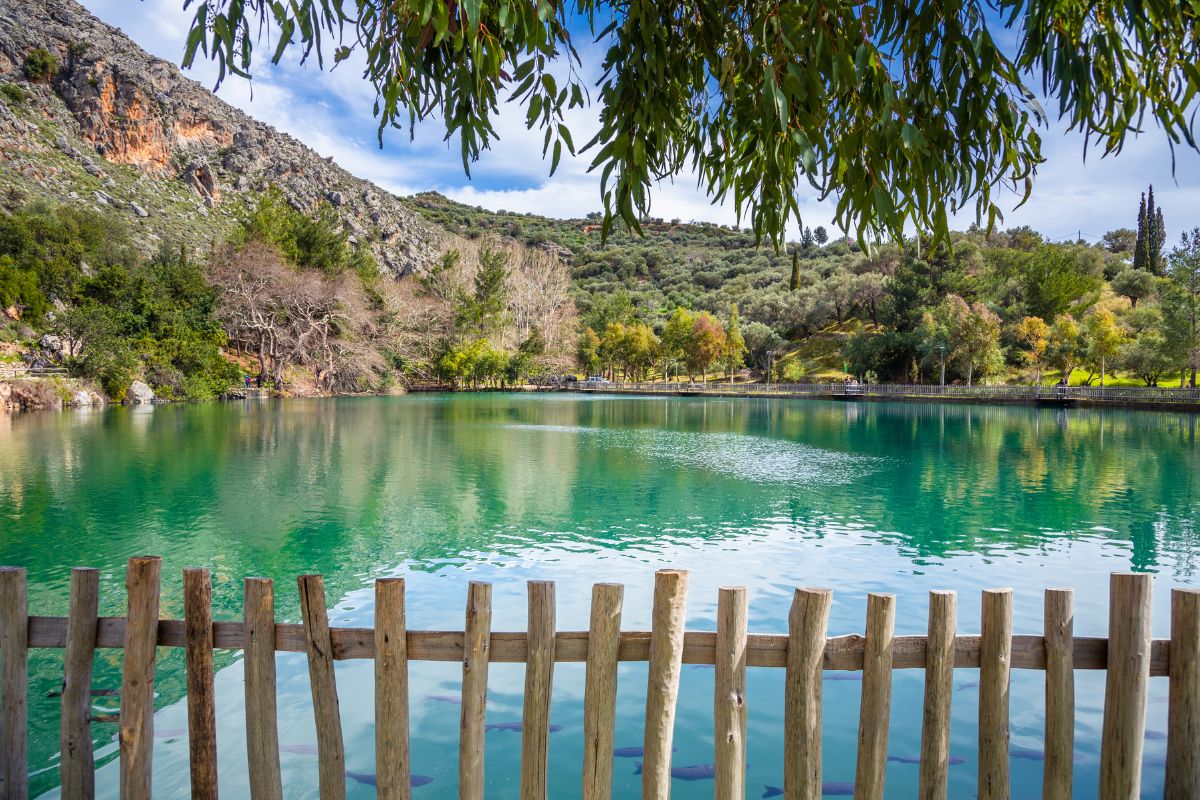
[902,497]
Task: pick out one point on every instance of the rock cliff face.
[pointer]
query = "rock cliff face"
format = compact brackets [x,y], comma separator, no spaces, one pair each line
[116,128]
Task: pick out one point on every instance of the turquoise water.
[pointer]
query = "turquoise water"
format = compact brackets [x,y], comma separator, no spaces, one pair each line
[444,489]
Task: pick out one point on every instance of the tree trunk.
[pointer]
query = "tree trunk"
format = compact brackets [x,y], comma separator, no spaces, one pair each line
[943,379]
[970,373]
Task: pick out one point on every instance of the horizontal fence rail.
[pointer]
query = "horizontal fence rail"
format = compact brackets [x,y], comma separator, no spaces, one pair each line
[1123,394]
[1128,654]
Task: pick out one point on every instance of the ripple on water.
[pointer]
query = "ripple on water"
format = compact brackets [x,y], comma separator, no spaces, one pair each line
[749,458]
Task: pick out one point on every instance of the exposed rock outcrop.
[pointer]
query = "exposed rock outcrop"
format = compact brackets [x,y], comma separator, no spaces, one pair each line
[139,393]
[121,130]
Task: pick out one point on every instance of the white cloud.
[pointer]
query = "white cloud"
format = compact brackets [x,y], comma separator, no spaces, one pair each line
[331,112]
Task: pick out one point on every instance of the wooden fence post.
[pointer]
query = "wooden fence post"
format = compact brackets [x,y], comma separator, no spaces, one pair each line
[539,680]
[729,701]
[808,623]
[14,684]
[1125,687]
[331,752]
[1183,707]
[662,690]
[77,770]
[201,695]
[1057,775]
[142,582]
[262,726]
[600,691]
[476,652]
[875,710]
[391,692]
[995,659]
[939,689]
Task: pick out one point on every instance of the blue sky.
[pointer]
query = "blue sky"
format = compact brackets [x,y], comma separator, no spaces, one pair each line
[331,112]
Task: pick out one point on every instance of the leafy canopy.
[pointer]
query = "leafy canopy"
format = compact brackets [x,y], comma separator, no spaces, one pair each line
[905,111]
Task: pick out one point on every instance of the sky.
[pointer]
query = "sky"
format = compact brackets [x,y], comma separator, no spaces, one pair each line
[331,112]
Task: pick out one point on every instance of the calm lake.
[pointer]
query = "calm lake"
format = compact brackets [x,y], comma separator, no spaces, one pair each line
[444,489]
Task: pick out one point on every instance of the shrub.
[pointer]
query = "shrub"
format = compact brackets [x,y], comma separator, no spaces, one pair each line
[14,94]
[40,64]
[36,394]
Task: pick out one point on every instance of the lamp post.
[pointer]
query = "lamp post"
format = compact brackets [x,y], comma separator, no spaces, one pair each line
[942,362]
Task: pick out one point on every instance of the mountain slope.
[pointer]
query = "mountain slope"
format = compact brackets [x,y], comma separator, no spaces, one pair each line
[118,129]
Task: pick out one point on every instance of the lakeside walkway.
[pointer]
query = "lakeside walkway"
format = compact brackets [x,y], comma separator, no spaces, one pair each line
[1186,399]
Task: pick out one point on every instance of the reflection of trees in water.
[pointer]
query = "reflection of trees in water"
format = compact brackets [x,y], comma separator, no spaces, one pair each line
[971,477]
[279,489]
[348,487]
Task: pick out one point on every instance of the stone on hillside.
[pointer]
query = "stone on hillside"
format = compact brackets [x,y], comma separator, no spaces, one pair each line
[141,212]
[139,392]
[81,398]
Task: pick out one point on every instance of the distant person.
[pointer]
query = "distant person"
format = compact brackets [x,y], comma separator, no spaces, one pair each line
[247,377]
[259,380]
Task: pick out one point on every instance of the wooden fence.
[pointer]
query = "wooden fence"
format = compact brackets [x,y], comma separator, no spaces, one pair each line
[1129,654]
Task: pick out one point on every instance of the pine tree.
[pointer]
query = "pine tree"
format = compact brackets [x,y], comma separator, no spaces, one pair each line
[807,240]
[795,284]
[1141,244]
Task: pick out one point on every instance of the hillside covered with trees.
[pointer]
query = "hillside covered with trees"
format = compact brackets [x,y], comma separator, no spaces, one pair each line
[693,299]
[287,300]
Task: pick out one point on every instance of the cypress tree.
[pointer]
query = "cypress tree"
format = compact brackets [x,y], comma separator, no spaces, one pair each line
[795,269]
[1160,237]
[1141,244]
[1153,245]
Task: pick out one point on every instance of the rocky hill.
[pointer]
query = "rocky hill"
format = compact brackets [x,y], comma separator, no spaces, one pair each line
[102,123]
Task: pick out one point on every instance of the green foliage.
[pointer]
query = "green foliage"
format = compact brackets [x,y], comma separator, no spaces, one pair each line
[120,316]
[309,240]
[1151,237]
[1134,284]
[1181,303]
[874,302]
[903,111]
[40,64]
[14,94]
[1060,280]
[481,313]
[473,364]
